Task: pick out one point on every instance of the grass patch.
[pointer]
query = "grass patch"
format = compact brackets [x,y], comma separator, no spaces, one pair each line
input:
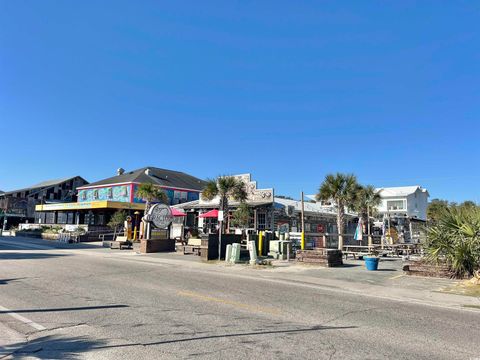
[472,306]
[462,289]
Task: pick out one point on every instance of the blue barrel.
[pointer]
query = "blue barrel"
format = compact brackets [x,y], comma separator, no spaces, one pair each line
[371,263]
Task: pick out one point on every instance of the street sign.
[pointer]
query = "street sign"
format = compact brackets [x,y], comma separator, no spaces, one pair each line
[220,215]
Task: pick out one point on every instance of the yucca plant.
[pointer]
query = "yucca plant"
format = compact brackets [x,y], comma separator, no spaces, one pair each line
[455,240]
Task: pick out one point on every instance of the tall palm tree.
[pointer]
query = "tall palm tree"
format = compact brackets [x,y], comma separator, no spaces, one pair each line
[148,192]
[367,200]
[342,189]
[226,188]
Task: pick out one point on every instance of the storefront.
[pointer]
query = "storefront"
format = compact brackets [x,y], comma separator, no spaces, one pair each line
[98,201]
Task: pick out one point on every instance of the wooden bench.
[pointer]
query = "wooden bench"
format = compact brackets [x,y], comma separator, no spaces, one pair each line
[121,243]
[192,247]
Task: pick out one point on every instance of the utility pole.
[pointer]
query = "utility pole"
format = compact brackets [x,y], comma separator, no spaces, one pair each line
[370,242]
[303,224]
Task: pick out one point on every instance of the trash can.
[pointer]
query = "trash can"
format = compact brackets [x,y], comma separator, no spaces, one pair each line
[371,263]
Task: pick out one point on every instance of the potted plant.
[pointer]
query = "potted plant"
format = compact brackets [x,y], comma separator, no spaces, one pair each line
[372,260]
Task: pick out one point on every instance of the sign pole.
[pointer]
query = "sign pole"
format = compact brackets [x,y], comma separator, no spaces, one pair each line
[220,230]
[303,225]
[220,241]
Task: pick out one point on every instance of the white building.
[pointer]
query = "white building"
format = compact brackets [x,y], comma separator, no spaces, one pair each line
[407,201]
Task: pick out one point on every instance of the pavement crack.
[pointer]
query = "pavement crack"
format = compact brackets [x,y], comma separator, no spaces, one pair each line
[350,313]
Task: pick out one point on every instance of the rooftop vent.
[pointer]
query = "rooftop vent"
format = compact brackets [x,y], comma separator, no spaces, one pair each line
[120,171]
[148,172]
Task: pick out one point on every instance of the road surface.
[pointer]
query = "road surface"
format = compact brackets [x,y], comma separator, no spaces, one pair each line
[99,304]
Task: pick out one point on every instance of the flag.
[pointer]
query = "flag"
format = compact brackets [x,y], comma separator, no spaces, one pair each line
[359,231]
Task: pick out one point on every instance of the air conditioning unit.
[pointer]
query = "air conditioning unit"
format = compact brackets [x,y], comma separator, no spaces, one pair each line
[290,210]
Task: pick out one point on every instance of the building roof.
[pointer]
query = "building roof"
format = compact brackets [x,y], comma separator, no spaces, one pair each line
[43,184]
[312,207]
[150,174]
[195,204]
[400,191]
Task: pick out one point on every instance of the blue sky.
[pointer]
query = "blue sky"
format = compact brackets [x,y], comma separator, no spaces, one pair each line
[286,90]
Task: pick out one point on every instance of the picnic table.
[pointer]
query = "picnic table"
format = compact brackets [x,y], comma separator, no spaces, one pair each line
[356,250]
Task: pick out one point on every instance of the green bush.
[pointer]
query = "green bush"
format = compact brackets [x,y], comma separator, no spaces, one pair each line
[455,240]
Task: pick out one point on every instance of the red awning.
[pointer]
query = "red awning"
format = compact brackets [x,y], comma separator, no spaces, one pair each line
[176,212]
[210,214]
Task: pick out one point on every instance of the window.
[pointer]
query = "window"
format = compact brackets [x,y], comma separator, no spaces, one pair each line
[261,221]
[110,193]
[40,218]
[179,197]
[50,218]
[396,205]
[61,218]
[70,218]
[84,195]
[95,194]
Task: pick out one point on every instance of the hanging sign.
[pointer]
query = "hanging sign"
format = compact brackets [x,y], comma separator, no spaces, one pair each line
[220,215]
[160,215]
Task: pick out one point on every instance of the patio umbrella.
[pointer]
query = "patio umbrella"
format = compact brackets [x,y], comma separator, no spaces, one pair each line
[176,212]
[210,214]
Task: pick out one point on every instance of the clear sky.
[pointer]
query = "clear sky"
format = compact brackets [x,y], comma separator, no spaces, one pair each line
[286,90]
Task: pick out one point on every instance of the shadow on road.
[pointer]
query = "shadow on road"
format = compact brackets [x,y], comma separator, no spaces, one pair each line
[53,347]
[351,265]
[65,309]
[6,281]
[222,336]
[27,256]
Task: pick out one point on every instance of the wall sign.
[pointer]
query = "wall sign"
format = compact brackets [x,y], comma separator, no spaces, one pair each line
[160,215]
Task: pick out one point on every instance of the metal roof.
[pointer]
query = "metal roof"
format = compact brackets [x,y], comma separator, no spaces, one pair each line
[43,184]
[311,207]
[157,176]
[400,191]
[196,204]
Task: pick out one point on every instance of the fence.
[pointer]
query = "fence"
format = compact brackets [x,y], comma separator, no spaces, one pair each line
[328,240]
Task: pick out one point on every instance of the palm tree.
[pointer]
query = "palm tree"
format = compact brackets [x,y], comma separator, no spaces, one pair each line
[226,188]
[342,189]
[367,199]
[149,193]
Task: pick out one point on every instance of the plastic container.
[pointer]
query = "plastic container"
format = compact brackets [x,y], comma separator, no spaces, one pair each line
[371,263]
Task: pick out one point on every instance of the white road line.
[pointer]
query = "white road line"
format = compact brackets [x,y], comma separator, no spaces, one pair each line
[22,319]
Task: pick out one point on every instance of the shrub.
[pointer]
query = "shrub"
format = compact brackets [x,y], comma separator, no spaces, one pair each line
[455,240]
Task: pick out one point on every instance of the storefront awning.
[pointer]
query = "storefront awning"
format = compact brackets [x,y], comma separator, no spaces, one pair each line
[210,214]
[176,212]
[87,205]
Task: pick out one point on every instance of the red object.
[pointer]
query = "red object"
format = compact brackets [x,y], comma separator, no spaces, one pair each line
[210,214]
[176,212]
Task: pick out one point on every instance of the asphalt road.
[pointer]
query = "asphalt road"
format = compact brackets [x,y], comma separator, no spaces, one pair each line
[69,304]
